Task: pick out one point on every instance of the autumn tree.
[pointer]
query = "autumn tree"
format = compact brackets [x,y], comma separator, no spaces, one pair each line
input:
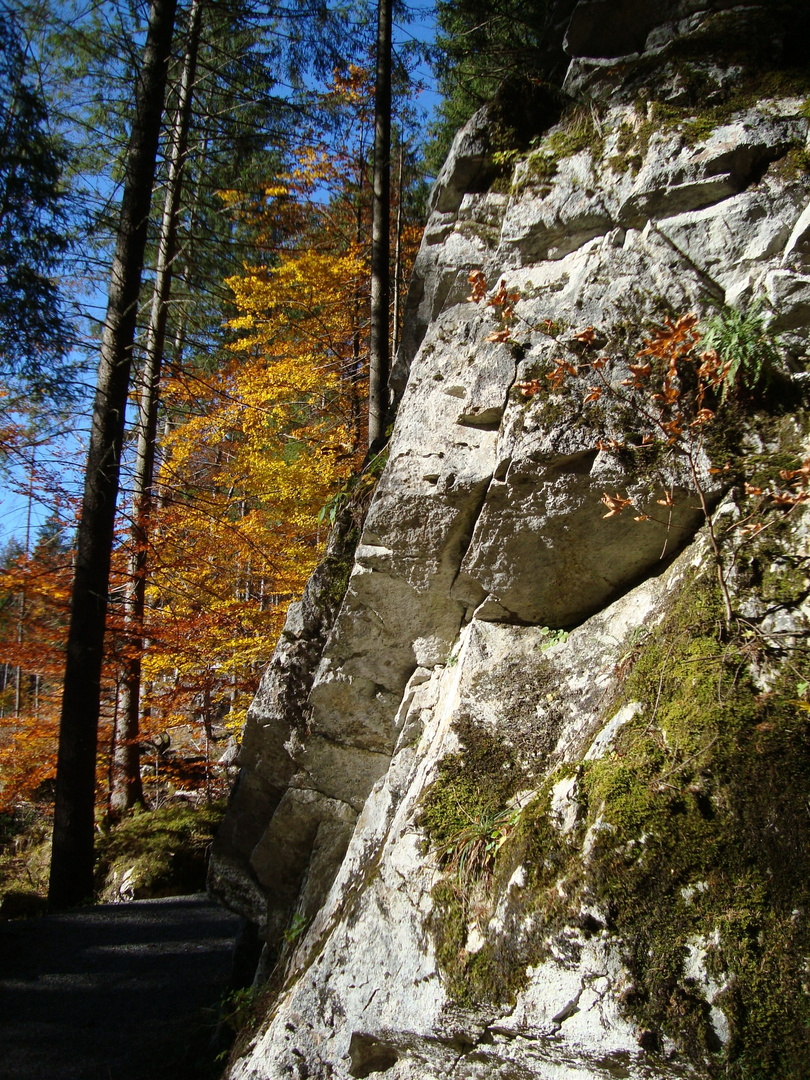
[34,599]
[259,447]
[263,444]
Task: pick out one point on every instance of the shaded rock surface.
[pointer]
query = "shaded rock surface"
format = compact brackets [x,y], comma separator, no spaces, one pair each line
[491,594]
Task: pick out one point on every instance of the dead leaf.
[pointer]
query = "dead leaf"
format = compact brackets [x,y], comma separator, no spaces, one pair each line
[615,504]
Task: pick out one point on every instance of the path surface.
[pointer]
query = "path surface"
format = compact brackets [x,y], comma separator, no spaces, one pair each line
[114,992]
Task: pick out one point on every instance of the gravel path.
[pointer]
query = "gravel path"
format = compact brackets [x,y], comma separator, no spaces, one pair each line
[114,992]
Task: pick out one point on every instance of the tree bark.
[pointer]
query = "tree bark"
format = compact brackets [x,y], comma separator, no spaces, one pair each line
[398,251]
[380,219]
[127,789]
[71,879]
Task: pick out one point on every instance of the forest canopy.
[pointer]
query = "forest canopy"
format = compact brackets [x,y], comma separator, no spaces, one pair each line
[245,372]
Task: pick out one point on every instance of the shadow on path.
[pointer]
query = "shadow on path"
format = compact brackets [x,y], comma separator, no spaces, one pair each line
[114,992]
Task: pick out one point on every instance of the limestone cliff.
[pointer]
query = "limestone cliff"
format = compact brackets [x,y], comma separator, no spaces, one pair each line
[525,789]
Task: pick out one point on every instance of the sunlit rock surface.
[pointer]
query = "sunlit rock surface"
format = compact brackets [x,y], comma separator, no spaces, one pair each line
[489,593]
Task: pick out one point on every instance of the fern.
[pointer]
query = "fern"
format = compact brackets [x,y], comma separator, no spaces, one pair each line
[742,341]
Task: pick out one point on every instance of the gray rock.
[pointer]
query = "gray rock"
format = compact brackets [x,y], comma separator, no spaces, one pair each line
[487,531]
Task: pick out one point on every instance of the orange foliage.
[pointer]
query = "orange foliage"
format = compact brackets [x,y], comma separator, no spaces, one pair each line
[34,605]
[253,452]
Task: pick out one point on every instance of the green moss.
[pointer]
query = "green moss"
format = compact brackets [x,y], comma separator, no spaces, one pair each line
[695,120]
[694,795]
[634,138]
[481,777]
[338,565]
[700,839]
[501,185]
[474,785]
[794,165]
[164,852]
[579,130]
[478,230]
[541,166]
[448,926]
[777,575]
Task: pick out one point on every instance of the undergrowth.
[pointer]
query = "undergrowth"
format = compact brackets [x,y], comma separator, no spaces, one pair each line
[156,853]
[150,853]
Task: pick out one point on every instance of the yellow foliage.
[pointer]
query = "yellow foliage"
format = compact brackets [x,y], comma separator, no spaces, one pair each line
[264,442]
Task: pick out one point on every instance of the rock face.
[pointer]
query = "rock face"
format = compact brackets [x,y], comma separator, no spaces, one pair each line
[513,804]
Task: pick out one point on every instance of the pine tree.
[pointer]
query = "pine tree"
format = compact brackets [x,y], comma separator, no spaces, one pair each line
[379,348]
[126,779]
[482,44]
[33,341]
[71,877]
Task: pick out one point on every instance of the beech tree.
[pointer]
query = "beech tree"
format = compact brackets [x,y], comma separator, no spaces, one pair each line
[71,878]
[34,598]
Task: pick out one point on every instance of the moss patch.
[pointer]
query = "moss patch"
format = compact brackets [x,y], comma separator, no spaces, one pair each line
[160,852]
[466,816]
[708,799]
[699,859]
[580,130]
[480,778]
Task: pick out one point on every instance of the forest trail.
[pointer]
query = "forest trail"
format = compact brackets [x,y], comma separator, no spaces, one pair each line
[113,992]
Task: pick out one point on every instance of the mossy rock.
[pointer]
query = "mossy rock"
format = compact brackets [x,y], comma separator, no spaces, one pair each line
[698,845]
[156,853]
[22,904]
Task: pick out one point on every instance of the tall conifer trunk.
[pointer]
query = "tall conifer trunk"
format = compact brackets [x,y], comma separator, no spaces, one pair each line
[72,859]
[126,772]
[380,218]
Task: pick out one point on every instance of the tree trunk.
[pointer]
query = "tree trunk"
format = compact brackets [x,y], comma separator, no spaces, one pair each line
[380,215]
[72,859]
[398,251]
[356,371]
[127,789]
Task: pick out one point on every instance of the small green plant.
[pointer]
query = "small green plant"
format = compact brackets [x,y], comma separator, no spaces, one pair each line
[238,1007]
[743,343]
[357,492]
[552,637]
[468,853]
[505,158]
[298,925]
[580,130]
